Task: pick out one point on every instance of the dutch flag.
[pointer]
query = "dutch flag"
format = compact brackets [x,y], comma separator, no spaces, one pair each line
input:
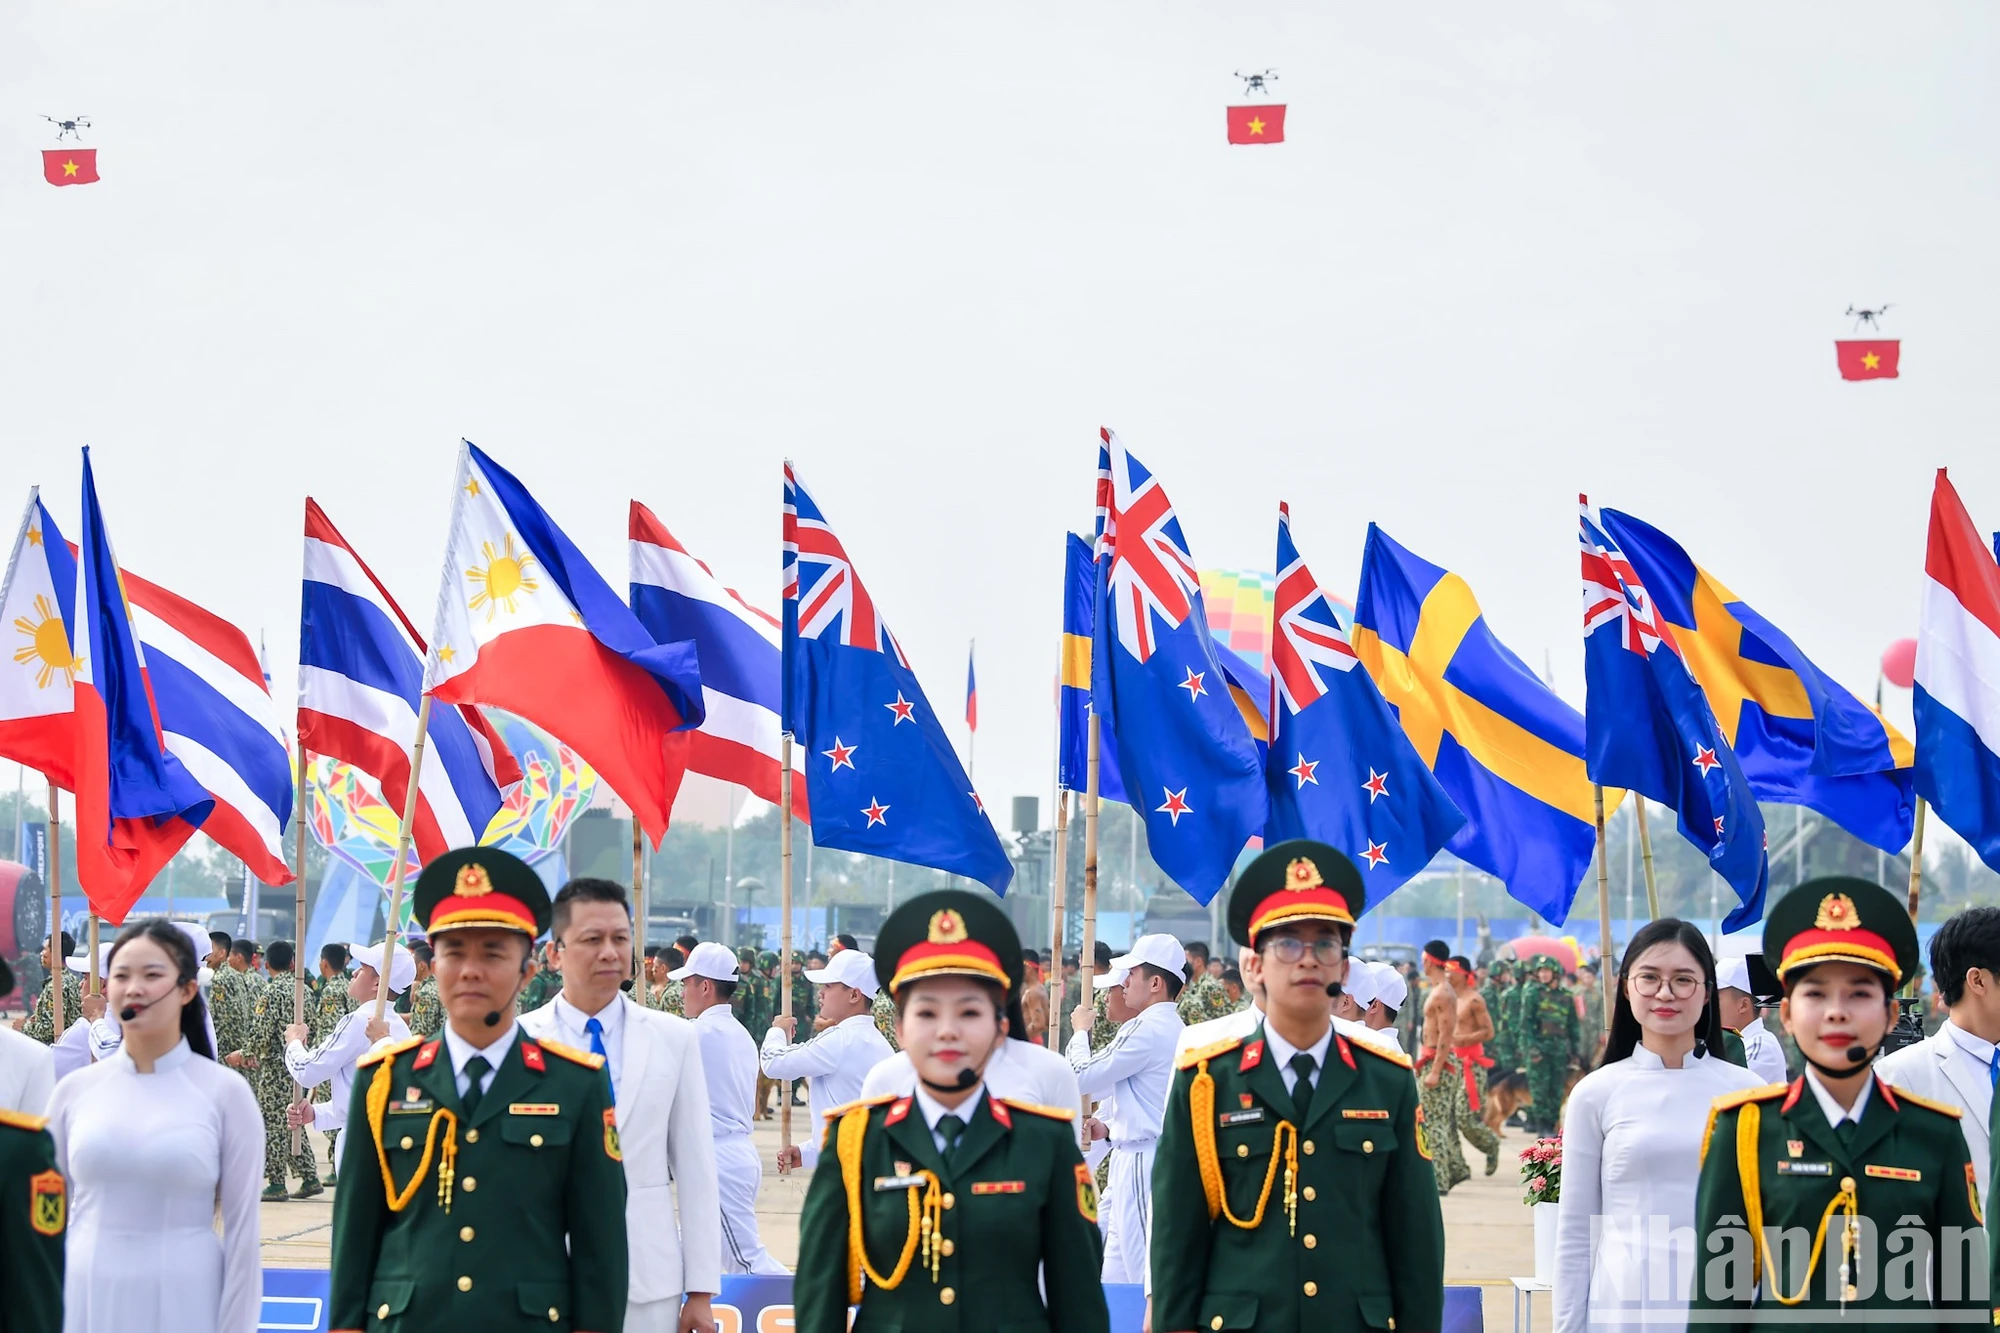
[1958,677]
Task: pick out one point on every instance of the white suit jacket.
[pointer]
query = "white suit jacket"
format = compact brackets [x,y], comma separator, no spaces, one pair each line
[1937,1069]
[663,1130]
[27,1073]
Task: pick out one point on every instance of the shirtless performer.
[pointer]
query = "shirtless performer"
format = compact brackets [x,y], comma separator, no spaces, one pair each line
[1473,1030]
[1436,1075]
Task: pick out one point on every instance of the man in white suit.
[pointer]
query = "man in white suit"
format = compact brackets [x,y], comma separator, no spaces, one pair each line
[661,1096]
[1958,1064]
[836,1058]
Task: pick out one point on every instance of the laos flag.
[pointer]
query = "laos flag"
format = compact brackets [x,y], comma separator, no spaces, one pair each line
[883,777]
[1957,701]
[1648,726]
[526,625]
[1341,768]
[135,804]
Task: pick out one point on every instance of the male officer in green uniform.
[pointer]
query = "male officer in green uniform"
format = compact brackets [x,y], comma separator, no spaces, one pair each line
[1875,1182]
[1292,1187]
[487,1189]
[950,1210]
[33,1212]
[1549,1032]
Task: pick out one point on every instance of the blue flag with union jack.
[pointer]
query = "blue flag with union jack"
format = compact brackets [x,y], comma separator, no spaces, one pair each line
[1190,764]
[1341,768]
[1648,727]
[881,776]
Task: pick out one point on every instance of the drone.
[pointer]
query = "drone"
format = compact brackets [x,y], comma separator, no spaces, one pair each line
[68,128]
[1254,83]
[1868,318]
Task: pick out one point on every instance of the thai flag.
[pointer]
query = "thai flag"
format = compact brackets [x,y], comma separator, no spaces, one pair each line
[1957,700]
[136,805]
[678,597]
[361,679]
[525,624]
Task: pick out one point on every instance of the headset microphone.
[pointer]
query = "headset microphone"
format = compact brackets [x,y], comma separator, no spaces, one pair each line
[1333,990]
[128,1013]
[966,1078]
[1857,1054]
[493,1018]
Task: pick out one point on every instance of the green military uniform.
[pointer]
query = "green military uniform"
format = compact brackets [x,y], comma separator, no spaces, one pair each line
[1590,1028]
[884,1014]
[34,1207]
[996,1232]
[1733,1050]
[1204,998]
[1499,986]
[667,999]
[229,998]
[272,1081]
[1882,1205]
[41,1024]
[1278,1219]
[1102,1031]
[426,1013]
[498,1210]
[1550,1033]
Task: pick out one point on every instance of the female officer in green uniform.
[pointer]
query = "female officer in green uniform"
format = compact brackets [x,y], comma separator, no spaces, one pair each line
[1876,1180]
[937,1210]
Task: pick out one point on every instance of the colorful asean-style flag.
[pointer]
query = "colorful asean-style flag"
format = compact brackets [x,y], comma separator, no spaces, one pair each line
[1187,756]
[361,681]
[526,625]
[1257,124]
[1504,746]
[677,597]
[883,776]
[37,607]
[1340,768]
[1868,358]
[1648,728]
[69,166]
[135,803]
[1073,706]
[1957,700]
[1801,736]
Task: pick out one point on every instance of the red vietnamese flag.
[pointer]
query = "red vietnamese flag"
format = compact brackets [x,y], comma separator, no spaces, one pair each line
[1868,358]
[69,166]
[1257,124]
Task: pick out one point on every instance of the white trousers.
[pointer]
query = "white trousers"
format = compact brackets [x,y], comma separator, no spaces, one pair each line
[1127,1212]
[738,1173]
[653,1316]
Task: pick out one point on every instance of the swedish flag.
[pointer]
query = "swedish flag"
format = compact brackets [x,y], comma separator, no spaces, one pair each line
[1073,713]
[1506,749]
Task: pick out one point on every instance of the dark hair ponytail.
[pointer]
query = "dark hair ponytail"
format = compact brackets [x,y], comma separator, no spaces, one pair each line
[1625,1024]
[194,1014]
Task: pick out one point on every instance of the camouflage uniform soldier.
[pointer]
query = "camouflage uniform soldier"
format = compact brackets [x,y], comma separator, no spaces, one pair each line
[1498,989]
[1590,1023]
[885,1018]
[1203,997]
[426,1011]
[41,1024]
[229,1000]
[269,1013]
[1550,1032]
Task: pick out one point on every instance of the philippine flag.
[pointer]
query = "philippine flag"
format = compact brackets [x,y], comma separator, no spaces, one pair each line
[526,625]
[38,671]
[678,597]
[135,804]
[361,680]
[1957,701]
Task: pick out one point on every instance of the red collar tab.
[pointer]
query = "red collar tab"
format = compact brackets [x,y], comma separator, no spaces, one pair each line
[898,1110]
[1000,1111]
[429,1053]
[1253,1055]
[1888,1095]
[1792,1098]
[1346,1055]
[532,1057]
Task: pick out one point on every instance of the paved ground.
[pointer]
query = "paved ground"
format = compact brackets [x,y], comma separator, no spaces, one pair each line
[1488,1235]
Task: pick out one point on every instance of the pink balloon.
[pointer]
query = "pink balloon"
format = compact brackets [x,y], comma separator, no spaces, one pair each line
[1899,663]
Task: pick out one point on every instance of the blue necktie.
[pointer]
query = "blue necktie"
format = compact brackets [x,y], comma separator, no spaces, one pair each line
[1993,1068]
[596,1031]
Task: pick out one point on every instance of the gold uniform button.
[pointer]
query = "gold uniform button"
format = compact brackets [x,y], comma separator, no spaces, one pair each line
[1367,1145]
[1309,1147]
[534,1140]
[382,1310]
[1312,1288]
[948,1200]
[555,1315]
[1310,1193]
[465,1284]
[1392,1324]
[1242,1150]
[471,1184]
[1215,1322]
[465,1233]
[947,1248]
[472,1136]
[409,1142]
[947,1296]
[1312,1241]
[1847,1183]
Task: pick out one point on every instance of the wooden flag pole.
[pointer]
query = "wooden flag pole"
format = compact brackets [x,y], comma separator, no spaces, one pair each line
[395,923]
[1087,946]
[55,907]
[784,928]
[299,814]
[1916,877]
[1646,858]
[90,986]
[1605,966]
[640,987]
[1058,910]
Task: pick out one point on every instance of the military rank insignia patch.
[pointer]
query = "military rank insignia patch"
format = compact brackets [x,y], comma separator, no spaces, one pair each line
[47,1203]
[611,1148]
[1972,1192]
[1086,1193]
[1423,1143]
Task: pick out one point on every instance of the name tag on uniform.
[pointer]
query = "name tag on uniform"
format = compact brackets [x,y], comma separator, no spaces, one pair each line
[1249,1117]
[533,1108]
[897,1183]
[1805,1168]
[412,1107]
[1347,1114]
[999,1187]
[1892,1172]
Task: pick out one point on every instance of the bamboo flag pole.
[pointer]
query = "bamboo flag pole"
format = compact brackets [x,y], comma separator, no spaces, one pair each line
[1087,946]
[55,906]
[90,982]
[784,927]
[1646,858]
[1058,910]
[1916,876]
[395,924]
[1605,969]
[640,985]
[299,813]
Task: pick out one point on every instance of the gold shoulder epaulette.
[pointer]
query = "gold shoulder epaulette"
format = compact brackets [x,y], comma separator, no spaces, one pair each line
[1036,1108]
[859,1102]
[1382,1053]
[588,1059]
[1200,1053]
[1729,1101]
[1940,1107]
[22,1120]
[389,1052]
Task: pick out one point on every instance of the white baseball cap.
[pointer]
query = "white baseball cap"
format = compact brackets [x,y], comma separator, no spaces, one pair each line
[1361,984]
[1162,951]
[1733,972]
[80,960]
[402,967]
[849,967]
[710,960]
[1106,980]
[1390,986]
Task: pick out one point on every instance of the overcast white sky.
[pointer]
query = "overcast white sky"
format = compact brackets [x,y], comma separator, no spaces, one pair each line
[641,249]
